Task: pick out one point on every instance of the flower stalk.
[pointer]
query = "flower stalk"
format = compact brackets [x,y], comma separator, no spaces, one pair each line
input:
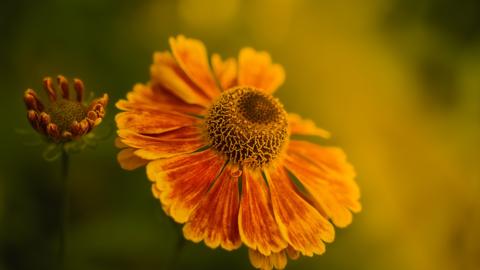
[65,122]
[64,207]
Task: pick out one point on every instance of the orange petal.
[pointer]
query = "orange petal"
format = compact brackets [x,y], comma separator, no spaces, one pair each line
[258,228]
[215,220]
[275,260]
[225,71]
[140,140]
[168,144]
[299,222]
[155,99]
[301,126]
[153,123]
[169,149]
[192,57]
[181,182]
[129,161]
[256,69]
[119,144]
[328,178]
[166,73]
[292,253]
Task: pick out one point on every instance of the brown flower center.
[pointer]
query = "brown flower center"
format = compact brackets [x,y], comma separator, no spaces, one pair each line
[64,112]
[247,126]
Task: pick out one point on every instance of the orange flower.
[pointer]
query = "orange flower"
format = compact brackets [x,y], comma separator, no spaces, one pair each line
[64,119]
[217,148]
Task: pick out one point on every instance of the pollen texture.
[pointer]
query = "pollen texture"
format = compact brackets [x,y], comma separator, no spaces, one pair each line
[247,126]
[64,112]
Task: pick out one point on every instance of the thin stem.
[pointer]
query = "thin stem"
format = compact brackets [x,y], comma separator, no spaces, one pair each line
[64,207]
[180,244]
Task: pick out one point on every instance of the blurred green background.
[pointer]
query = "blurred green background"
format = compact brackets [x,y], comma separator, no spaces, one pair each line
[397,82]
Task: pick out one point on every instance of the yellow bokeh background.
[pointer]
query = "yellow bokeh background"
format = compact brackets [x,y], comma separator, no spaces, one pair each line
[397,83]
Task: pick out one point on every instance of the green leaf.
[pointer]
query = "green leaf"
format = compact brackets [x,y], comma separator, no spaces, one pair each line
[52,152]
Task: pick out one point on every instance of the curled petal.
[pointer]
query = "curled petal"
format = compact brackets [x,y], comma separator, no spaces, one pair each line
[79,88]
[75,128]
[48,87]
[62,81]
[92,115]
[67,135]
[33,118]
[256,69]
[44,120]
[215,220]
[53,131]
[103,100]
[99,104]
[84,127]
[32,101]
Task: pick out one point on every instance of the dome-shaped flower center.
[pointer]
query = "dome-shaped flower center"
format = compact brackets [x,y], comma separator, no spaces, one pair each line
[259,108]
[64,112]
[247,126]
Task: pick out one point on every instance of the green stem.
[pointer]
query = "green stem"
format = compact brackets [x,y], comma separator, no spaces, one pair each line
[181,242]
[179,246]
[64,207]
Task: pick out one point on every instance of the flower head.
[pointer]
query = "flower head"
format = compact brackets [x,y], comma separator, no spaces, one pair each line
[218,149]
[64,119]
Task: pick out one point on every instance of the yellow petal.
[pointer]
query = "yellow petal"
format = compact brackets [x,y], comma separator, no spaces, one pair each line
[301,126]
[129,161]
[156,99]
[328,178]
[166,73]
[182,182]
[153,123]
[292,253]
[191,55]
[225,71]
[172,143]
[256,69]
[215,220]
[299,222]
[119,143]
[258,228]
[276,260]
